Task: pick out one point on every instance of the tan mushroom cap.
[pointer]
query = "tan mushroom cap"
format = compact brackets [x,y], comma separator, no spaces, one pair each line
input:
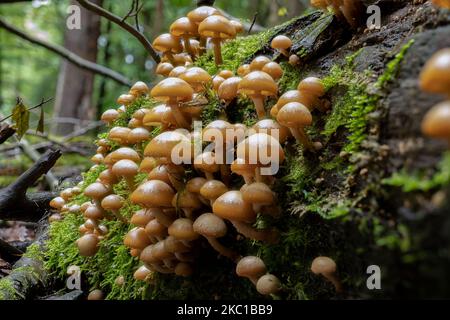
[164,69]
[195,184]
[210,225]
[157,115]
[125,99]
[141,273]
[268,284]
[57,203]
[125,168]
[110,116]
[217,27]
[162,145]
[272,128]
[258,83]
[94,212]
[153,193]
[436,122]
[435,75]
[260,147]
[323,265]
[141,217]
[196,77]
[217,81]
[173,245]
[107,177]
[160,252]
[295,96]
[155,229]
[186,200]
[148,164]
[232,206]
[206,162]
[112,202]
[139,88]
[119,134]
[228,90]
[136,238]
[182,229]
[238,26]
[140,113]
[218,128]
[258,63]
[226,74]
[243,70]
[97,190]
[160,173]
[167,43]
[201,13]
[312,85]
[173,89]
[251,267]
[138,135]
[274,70]
[213,189]
[88,245]
[125,153]
[294,114]
[281,42]
[177,71]
[257,192]
[183,27]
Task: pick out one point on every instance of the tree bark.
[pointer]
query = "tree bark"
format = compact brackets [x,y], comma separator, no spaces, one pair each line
[74,98]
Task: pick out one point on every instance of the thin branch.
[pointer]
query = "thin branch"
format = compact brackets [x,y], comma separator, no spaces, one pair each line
[256,27]
[68,55]
[6,132]
[253,23]
[117,20]
[32,108]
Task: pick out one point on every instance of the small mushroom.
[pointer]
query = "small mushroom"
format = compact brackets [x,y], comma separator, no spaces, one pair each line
[197,78]
[274,70]
[197,16]
[243,70]
[141,217]
[294,60]
[244,169]
[187,201]
[282,44]
[272,128]
[127,169]
[436,123]
[136,238]
[314,88]
[156,230]
[296,116]
[109,116]
[268,284]
[435,75]
[258,63]
[182,229]
[139,89]
[206,162]
[228,90]
[213,189]
[168,45]
[251,267]
[97,191]
[326,267]
[186,29]
[119,135]
[138,135]
[141,273]
[88,245]
[114,203]
[96,294]
[258,194]
[164,68]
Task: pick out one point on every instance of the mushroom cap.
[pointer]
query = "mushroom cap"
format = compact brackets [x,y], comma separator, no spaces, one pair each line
[112,202]
[110,115]
[183,27]
[196,76]
[294,59]
[321,4]
[155,229]
[96,294]
[217,27]
[258,83]
[160,173]
[238,26]
[258,63]
[177,71]
[94,212]
[183,269]
[182,229]
[436,122]
[57,203]
[159,251]
[125,168]
[435,75]
[242,167]
[141,273]
[139,114]
[147,255]
[139,88]
[272,128]
[442,3]
[323,265]
[226,74]
[294,114]
[201,13]
[268,284]
[138,135]
[148,164]
[228,90]
[97,190]
[156,115]
[167,43]
[274,70]
[119,134]
[97,158]
[313,86]
[124,153]
[186,200]
[257,192]
[107,177]
[195,184]
[217,81]
[125,99]
[206,162]
[173,245]
[281,42]
[210,226]
[172,89]
[141,217]
[161,146]
[260,149]
[251,267]
[153,193]
[164,69]
[295,96]
[218,128]
[88,245]
[136,238]
[243,70]
[231,206]
[213,189]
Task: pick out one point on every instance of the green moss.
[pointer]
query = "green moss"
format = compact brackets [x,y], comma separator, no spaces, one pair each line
[35,252]
[7,290]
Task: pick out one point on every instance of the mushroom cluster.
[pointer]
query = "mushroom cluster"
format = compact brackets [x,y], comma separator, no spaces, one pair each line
[435,79]
[345,10]
[191,197]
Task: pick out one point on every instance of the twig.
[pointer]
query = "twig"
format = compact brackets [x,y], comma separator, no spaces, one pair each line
[133,4]
[64,147]
[8,252]
[256,27]
[32,108]
[68,55]
[117,20]
[253,23]
[6,132]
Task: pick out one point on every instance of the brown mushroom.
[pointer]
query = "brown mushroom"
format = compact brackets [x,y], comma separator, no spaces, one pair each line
[274,70]
[435,75]
[268,284]
[96,294]
[88,245]
[213,189]
[258,63]
[197,16]
[197,78]
[251,267]
[168,45]
[164,69]
[296,116]
[326,267]
[185,29]
[109,116]
[127,169]
[139,89]
[282,44]
[436,123]
[114,203]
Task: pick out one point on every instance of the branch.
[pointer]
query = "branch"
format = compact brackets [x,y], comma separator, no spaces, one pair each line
[6,132]
[68,55]
[252,28]
[117,20]
[8,252]
[15,204]
[30,109]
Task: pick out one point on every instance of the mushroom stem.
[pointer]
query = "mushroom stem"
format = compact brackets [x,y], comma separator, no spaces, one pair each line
[179,117]
[162,218]
[217,51]
[202,46]
[130,183]
[267,235]
[335,281]
[225,174]
[285,53]
[248,178]
[258,176]
[209,176]
[216,245]
[187,46]
[169,56]
[258,100]
[301,137]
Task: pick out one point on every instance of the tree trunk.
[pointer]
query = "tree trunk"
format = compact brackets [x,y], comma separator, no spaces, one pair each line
[75,86]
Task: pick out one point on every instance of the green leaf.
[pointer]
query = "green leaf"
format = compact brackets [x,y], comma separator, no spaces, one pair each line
[40,126]
[21,118]
[282,11]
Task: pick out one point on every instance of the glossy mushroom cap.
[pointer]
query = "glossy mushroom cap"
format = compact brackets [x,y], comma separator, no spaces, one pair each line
[125,168]
[228,90]
[138,135]
[258,63]
[281,43]
[172,89]
[97,190]
[94,212]
[157,115]
[141,217]
[435,75]
[107,177]
[167,43]
[210,225]
[260,147]
[88,245]
[201,13]
[238,26]
[182,229]
[96,295]
[323,266]
[213,189]
[156,229]
[436,122]
[124,154]
[313,86]
[164,69]
[217,27]
[112,202]
[177,71]
[125,99]
[217,81]
[109,116]
[57,203]
[295,96]
[251,267]
[141,273]
[148,164]
[274,70]
[258,83]
[294,114]
[231,206]
[187,200]
[153,193]
[136,238]
[119,134]
[183,27]
[243,70]
[194,185]
[268,284]
[197,78]
[139,88]
[226,74]
[206,162]
[162,145]
[272,128]
[258,192]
